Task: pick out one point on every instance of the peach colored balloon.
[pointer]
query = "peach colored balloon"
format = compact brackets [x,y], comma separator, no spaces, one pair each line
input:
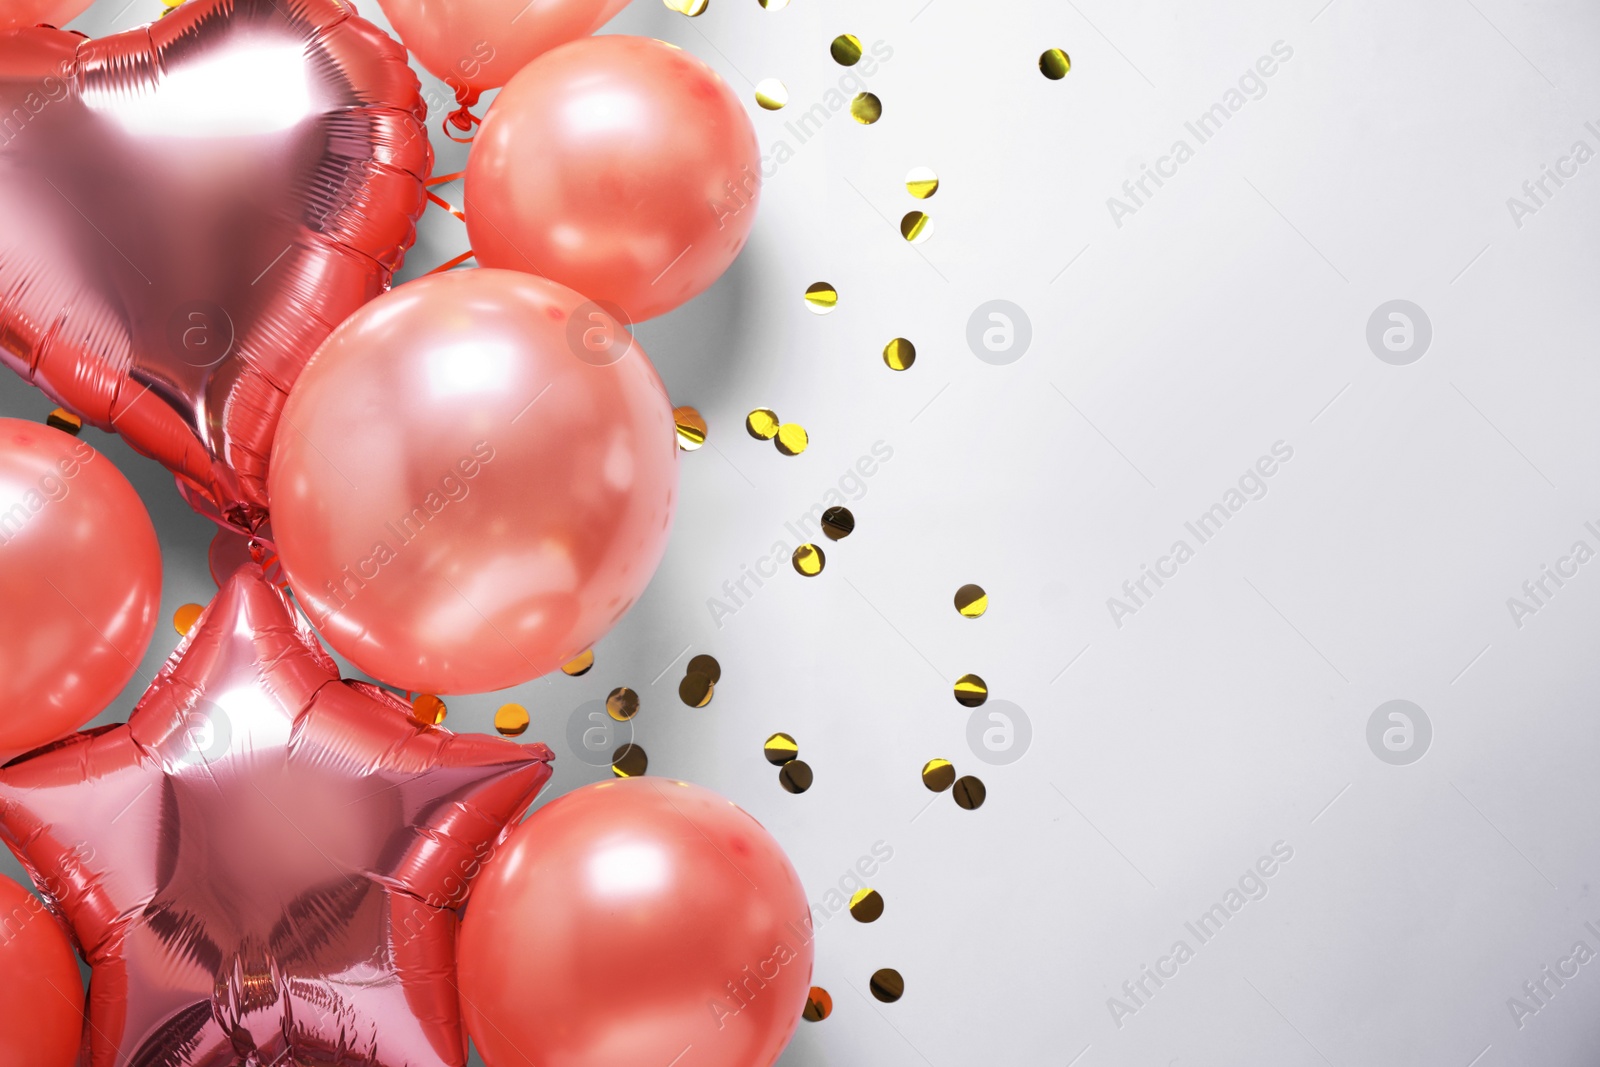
[620,166]
[477,45]
[80,578]
[14,13]
[41,993]
[628,921]
[473,481]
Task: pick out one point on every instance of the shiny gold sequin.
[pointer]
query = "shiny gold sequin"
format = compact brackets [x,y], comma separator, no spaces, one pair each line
[762,424]
[821,297]
[691,428]
[780,749]
[795,776]
[838,523]
[708,666]
[1054,64]
[622,703]
[866,905]
[774,5]
[819,1005]
[971,691]
[511,720]
[916,227]
[938,775]
[809,560]
[922,182]
[899,354]
[65,421]
[687,7]
[629,761]
[580,664]
[971,600]
[969,792]
[428,709]
[887,985]
[696,690]
[866,109]
[792,439]
[185,617]
[846,49]
[771,94]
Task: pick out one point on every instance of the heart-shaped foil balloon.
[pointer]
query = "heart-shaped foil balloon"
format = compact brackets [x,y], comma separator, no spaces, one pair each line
[188,209]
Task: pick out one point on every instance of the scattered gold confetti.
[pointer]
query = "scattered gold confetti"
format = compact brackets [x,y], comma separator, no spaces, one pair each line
[1054,64]
[887,985]
[866,905]
[971,691]
[780,749]
[899,354]
[938,775]
[629,761]
[809,560]
[708,666]
[922,182]
[795,776]
[580,664]
[819,1005]
[428,709]
[185,617]
[696,689]
[771,94]
[762,424]
[622,704]
[846,49]
[838,523]
[691,428]
[866,109]
[821,297]
[969,792]
[916,227]
[65,421]
[971,600]
[687,7]
[792,439]
[511,720]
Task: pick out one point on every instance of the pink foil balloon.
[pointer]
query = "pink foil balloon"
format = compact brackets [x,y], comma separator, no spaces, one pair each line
[14,13]
[189,208]
[474,480]
[620,166]
[263,865]
[80,578]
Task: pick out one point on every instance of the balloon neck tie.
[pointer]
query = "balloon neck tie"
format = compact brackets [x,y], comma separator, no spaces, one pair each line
[462,117]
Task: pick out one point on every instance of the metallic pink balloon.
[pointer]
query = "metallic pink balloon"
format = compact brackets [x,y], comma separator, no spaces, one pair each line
[263,865]
[189,208]
[474,480]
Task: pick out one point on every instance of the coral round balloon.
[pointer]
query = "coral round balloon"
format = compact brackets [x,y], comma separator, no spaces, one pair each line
[14,13]
[620,166]
[473,481]
[80,576]
[629,920]
[41,994]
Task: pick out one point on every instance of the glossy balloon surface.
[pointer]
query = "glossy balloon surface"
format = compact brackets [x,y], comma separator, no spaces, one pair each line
[41,995]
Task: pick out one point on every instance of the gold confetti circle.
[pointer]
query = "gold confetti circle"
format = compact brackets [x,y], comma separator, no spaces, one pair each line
[762,424]
[687,7]
[1054,64]
[795,776]
[708,666]
[866,108]
[622,703]
[922,182]
[887,985]
[780,749]
[971,691]
[969,792]
[916,227]
[938,775]
[580,664]
[428,709]
[821,297]
[696,689]
[792,439]
[511,720]
[185,617]
[899,354]
[774,5]
[972,601]
[65,421]
[629,761]
[771,94]
[691,428]
[809,560]
[866,905]
[846,49]
[838,523]
[819,1005]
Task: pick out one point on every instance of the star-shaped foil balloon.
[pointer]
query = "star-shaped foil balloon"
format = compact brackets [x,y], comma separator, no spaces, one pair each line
[262,866]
